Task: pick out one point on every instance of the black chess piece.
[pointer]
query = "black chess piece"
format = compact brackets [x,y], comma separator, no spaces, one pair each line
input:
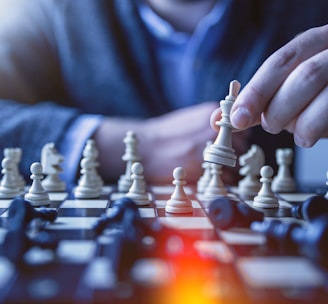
[119,215]
[311,208]
[21,213]
[310,240]
[16,243]
[226,213]
[126,239]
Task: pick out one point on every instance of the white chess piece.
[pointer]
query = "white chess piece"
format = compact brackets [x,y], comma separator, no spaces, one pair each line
[8,187]
[283,182]
[91,152]
[51,161]
[130,157]
[15,154]
[215,187]
[37,195]
[221,151]
[87,186]
[251,164]
[179,202]
[137,192]
[206,177]
[266,198]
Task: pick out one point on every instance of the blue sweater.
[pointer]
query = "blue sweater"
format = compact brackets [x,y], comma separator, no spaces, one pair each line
[95,56]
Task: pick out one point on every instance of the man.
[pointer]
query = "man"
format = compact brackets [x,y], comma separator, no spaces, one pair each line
[70,70]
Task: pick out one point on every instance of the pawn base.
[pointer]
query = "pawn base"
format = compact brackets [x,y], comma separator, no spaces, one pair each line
[37,200]
[175,206]
[265,202]
[139,199]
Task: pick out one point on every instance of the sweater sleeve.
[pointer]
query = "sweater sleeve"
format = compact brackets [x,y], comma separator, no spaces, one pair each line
[30,127]
[31,90]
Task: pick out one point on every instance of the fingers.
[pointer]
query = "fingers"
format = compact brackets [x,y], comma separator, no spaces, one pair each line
[312,123]
[216,116]
[267,81]
[298,92]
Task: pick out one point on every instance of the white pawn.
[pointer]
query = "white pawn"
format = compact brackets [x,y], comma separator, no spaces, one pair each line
[221,151]
[266,198]
[137,192]
[283,182]
[37,195]
[87,186]
[179,202]
[130,156]
[8,187]
[215,187]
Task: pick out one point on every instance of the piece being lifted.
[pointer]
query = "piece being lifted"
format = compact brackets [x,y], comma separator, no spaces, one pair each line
[221,151]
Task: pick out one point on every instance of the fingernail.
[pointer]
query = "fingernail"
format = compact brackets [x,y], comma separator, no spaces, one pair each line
[240,118]
[299,141]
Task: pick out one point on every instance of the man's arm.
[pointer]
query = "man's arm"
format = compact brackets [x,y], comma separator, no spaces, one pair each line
[289,91]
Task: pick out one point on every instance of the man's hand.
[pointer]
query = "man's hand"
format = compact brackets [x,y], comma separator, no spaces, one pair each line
[289,91]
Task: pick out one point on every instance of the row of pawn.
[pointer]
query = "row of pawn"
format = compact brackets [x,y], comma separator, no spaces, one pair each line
[252,165]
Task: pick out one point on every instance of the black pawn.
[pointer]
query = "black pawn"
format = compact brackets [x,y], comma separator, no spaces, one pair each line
[17,243]
[118,216]
[226,213]
[311,208]
[310,240]
[21,213]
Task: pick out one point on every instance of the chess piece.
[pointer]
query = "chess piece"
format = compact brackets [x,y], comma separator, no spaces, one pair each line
[16,243]
[87,187]
[251,164]
[311,208]
[221,151]
[179,202]
[15,155]
[215,187]
[21,213]
[37,195]
[283,182]
[91,152]
[226,213]
[206,177]
[137,192]
[118,215]
[310,240]
[130,157]
[265,197]
[8,186]
[51,161]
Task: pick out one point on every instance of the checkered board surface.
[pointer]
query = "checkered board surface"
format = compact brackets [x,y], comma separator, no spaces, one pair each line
[239,267]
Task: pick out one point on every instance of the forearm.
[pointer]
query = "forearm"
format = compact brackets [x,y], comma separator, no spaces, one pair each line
[30,127]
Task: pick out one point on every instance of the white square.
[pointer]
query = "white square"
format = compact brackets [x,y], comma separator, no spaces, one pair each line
[279,272]
[5,203]
[242,236]
[186,222]
[215,249]
[57,196]
[76,251]
[92,203]
[73,223]
[162,203]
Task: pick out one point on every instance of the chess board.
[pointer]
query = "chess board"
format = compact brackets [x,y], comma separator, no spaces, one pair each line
[190,261]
